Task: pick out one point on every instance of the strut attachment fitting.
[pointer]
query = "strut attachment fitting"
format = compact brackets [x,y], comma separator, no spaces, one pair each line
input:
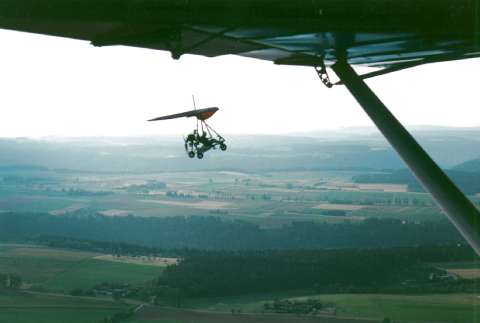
[322,74]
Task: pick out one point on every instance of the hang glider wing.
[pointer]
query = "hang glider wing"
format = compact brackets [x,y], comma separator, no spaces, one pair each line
[388,34]
[201,114]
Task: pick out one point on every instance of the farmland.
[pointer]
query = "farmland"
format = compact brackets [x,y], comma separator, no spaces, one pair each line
[28,308]
[95,230]
[55,273]
[65,270]
[142,260]
[60,271]
[93,272]
[467,270]
[258,197]
[170,315]
[458,308]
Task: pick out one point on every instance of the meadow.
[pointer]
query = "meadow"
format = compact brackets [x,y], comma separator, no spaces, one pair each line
[453,308]
[88,273]
[18,307]
[171,315]
[64,270]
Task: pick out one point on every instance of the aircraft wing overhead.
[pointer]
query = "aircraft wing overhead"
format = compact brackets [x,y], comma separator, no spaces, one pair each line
[389,34]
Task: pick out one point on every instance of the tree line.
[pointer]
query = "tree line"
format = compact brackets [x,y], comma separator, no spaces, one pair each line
[215,233]
[229,273]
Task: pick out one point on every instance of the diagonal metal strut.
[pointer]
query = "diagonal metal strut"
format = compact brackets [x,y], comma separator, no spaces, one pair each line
[458,208]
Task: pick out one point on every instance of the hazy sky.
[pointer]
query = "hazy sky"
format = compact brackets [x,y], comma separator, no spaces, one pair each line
[61,87]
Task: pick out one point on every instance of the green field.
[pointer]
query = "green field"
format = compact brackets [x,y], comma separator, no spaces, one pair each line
[25,308]
[426,308]
[88,273]
[174,315]
[457,308]
[37,265]
[64,270]
[58,270]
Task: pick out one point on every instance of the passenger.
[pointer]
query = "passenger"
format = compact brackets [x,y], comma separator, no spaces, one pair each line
[204,140]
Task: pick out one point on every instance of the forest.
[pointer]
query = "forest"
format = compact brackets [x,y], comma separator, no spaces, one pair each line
[397,270]
[215,233]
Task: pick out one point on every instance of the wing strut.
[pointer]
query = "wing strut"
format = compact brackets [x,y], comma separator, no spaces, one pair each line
[458,208]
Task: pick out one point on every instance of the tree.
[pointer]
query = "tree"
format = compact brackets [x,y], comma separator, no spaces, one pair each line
[10,281]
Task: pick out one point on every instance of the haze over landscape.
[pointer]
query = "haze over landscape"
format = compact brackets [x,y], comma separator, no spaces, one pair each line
[327,225]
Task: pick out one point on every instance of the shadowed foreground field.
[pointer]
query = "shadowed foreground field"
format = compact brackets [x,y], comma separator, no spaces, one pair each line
[26,308]
[169,315]
[451,308]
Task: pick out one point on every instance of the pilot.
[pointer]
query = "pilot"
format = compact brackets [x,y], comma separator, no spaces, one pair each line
[192,138]
[205,141]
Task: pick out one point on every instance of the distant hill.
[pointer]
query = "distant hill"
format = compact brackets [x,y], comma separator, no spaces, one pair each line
[341,150]
[471,166]
[245,153]
[20,168]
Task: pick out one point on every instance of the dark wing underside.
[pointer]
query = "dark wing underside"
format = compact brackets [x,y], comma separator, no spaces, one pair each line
[201,114]
[389,34]
[175,116]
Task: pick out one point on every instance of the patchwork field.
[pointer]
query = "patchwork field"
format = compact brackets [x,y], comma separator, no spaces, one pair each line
[256,197]
[342,207]
[96,194]
[393,188]
[201,205]
[353,187]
